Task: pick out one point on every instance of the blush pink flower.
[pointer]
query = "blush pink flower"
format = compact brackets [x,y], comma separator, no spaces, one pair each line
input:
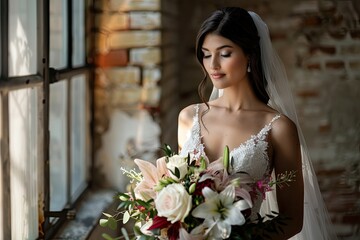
[151,176]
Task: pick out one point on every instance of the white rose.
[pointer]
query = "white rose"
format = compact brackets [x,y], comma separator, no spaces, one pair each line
[173,202]
[178,162]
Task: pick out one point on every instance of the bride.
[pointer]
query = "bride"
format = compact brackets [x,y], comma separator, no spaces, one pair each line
[251,110]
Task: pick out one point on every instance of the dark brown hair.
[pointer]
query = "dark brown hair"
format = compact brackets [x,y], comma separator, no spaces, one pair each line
[237,25]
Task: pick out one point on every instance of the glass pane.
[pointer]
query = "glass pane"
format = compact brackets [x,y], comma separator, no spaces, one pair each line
[58,145]
[78,31]
[58,33]
[22,37]
[79,127]
[23,119]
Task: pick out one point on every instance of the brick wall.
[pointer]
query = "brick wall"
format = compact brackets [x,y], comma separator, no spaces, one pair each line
[127,57]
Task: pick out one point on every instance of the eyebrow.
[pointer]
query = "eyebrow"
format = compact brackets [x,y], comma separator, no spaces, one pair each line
[221,47]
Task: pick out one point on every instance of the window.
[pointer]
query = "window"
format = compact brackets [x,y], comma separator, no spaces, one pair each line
[44,115]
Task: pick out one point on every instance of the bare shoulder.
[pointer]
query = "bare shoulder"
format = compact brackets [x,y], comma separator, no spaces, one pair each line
[284,124]
[284,131]
[187,114]
[185,122]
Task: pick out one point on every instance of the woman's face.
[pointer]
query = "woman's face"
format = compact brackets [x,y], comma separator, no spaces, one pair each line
[224,61]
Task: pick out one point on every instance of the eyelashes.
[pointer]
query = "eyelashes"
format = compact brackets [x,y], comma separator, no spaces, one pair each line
[224,55]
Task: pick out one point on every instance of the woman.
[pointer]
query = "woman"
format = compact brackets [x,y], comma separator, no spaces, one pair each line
[251,110]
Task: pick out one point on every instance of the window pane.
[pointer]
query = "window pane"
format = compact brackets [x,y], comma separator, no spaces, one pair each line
[78,39]
[22,37]
[79,128]
[23,119]
[58,146]
[58,33]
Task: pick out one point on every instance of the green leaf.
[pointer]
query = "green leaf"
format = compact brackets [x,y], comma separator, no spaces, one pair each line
[125,234]
[126,217]
[177,172]
[123,196]
[103,222]
[107,236]
[108,215]
[122,205]
[137,230]
[112,223]
[167,150]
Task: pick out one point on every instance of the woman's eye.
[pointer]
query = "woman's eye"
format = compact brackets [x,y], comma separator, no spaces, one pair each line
[226,54]
[207,56]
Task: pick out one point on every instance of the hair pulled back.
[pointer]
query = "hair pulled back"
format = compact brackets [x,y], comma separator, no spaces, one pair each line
[237,25]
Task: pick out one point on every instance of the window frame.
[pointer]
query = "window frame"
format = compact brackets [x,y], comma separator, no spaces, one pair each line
[43,78]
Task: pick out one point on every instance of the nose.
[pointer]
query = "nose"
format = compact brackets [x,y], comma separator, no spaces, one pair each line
[214,63]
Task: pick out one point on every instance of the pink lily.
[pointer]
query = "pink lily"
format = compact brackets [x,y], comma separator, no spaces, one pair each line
[151,176]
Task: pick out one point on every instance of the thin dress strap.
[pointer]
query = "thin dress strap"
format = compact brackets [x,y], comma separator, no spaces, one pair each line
[263,133]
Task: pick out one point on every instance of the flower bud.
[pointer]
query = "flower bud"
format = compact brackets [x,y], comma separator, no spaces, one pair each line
[192,188]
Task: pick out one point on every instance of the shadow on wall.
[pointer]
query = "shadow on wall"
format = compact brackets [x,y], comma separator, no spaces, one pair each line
[129,136]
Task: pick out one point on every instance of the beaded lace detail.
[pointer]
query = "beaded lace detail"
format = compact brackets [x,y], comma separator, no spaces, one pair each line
[193,143]
[250,157]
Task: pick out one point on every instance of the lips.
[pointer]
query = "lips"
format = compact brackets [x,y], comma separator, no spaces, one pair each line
[217,75]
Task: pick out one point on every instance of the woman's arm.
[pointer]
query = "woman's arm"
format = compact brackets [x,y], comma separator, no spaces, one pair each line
[287,157]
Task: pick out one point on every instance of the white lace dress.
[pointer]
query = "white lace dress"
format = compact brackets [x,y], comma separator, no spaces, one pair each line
[250,157]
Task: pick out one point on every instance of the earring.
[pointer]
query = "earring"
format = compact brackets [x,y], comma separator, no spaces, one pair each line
[248,68]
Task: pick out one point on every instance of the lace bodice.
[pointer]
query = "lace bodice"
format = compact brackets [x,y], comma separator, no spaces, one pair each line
[250,157]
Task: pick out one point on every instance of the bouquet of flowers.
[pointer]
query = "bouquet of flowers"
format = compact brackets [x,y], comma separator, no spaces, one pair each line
[190,198]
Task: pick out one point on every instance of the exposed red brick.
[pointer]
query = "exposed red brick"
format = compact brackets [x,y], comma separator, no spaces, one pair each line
[113,58]
[355,33]
[309,21]
[313,66]
[324,128]
[335,65]
[330,172]
[278,36]
[308,93]
[323,49]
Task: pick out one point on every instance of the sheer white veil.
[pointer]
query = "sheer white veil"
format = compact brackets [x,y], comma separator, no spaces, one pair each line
[316,224]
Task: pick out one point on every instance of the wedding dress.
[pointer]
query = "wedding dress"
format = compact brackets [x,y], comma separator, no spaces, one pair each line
[250,157]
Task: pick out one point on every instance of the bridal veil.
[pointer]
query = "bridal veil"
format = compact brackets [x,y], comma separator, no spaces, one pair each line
[316,224]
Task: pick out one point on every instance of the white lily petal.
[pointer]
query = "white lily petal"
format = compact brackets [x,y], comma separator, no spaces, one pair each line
[235,217]
[227,196]
[205,210]
[211,228]
[224,229]
[241,205]
[209,194]
[184,235]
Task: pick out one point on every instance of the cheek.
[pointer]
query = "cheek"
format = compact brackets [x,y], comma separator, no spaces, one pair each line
[238,67]
[206,65]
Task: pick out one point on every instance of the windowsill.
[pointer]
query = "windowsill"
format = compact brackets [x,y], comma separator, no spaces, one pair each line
[87,216]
